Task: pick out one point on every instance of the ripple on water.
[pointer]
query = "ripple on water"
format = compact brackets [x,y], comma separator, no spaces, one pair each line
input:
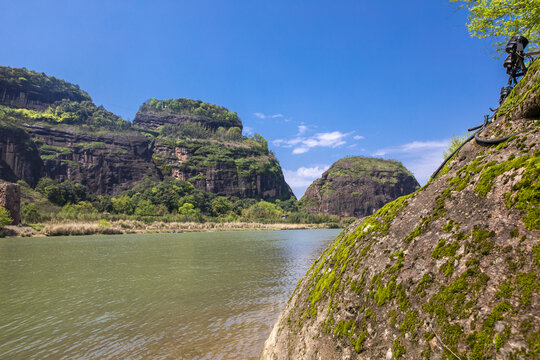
[182,296]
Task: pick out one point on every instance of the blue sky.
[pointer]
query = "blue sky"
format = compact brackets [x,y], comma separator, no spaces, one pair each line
[320,80]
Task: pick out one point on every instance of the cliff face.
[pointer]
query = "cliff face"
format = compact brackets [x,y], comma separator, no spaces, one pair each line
[451,271]
[19,156]
[357,186]
[31,90]
[105,163]
[227,170]
[154,114]
[58,132]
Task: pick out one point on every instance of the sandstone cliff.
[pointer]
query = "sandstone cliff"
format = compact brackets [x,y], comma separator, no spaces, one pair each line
[28,89]
[448,272]
[357,186]
[51,128]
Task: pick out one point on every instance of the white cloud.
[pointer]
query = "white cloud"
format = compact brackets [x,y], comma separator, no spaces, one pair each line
[420,157]
[304,144]
[263,116]
[358,137]
[248,131]
[302,177]
[302,129]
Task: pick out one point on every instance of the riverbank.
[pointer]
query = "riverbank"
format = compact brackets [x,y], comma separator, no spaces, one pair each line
[66,228]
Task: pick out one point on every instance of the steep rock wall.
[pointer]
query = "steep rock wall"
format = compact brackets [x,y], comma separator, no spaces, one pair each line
[240,172]
[19,157]
[105,164]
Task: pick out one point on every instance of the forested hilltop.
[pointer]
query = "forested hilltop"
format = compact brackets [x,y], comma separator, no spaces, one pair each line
[179,160]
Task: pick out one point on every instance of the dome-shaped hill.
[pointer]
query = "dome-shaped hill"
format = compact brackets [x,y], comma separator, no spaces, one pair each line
[357,186]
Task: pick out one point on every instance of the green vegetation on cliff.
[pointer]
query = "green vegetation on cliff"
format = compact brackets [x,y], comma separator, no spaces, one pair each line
[49,87]
[189,107]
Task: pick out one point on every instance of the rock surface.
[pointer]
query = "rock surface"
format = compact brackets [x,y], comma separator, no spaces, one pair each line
[10,199]
[104,163]
[450,271]
[357,186]
[58,132]
[22,88]
[19,156]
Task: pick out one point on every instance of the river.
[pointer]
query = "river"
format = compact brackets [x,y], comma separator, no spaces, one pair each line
[149,296]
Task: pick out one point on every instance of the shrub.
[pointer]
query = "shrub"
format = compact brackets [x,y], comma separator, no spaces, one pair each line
[30,215]
[5,218]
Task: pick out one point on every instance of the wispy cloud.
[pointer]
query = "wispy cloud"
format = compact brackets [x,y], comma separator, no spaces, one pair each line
[358,137]
[302,177]
[248,130]
[420,157]
[263,116]
[302,144]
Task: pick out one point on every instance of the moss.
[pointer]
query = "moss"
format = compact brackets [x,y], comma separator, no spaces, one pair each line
[424,222]
[399,349]
[359,344]
[505,290]
[449,226]
[392,316]
[525,195]
[442,250]
[426,353]
[399,262]
[448,267]
[536,254]
[464,175]
[480,243]
[514,233]
[489,173]
[527,284]
[424,283]
[410,324]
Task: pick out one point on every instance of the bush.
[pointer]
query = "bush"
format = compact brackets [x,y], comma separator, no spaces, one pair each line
[5,218]
[30,215]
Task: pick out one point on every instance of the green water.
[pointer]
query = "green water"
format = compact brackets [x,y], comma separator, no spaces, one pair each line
[172,296]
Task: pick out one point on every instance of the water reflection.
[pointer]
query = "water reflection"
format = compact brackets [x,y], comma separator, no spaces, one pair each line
[173,296]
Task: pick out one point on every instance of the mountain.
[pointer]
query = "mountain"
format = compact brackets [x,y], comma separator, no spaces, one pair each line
[51,128]
[357,186]
[451,271]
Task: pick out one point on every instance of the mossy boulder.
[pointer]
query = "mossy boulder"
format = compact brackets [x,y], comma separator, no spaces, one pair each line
[451,271]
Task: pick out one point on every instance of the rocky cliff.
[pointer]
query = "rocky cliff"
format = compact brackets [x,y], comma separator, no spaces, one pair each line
[58,132]
[31,90]
[233,169]
[19,156]
[104,163]
[154,114]
[357,186]
[448,272]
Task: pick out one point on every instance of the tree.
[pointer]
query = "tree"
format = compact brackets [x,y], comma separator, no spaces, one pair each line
[500,19]
[5,219]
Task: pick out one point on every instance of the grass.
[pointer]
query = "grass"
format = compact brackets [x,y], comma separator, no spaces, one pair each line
[70,228]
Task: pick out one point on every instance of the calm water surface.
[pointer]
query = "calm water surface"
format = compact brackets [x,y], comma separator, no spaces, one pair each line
[173,296]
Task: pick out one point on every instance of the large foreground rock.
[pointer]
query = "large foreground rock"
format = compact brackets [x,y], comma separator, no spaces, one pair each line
[451,271]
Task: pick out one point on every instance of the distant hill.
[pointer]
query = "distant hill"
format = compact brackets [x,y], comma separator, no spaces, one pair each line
[357,186]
